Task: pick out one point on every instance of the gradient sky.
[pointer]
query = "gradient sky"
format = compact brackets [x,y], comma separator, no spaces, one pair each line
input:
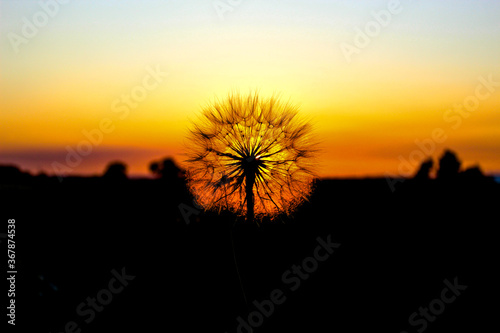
[72,73]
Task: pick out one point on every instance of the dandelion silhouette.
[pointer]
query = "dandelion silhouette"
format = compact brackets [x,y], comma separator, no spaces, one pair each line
[250,156]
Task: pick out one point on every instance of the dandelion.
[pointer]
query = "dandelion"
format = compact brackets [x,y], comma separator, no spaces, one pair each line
[251,156]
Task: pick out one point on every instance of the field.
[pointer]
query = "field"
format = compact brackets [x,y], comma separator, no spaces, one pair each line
[111,255]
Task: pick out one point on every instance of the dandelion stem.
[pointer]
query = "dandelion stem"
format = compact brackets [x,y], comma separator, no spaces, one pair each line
[249,182]
[236,265]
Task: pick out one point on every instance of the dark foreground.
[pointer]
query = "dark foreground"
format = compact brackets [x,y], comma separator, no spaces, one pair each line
[99,255]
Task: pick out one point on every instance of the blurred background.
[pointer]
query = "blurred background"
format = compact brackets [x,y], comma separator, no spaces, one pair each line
[374,76]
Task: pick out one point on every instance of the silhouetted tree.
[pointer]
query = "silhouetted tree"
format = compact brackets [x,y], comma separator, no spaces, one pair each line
[166,169]
[449,166]
[424,171]
[473,174]
[116,171]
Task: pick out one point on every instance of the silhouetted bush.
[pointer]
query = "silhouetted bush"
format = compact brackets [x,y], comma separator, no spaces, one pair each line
[449,166]
[116,171]
[166,169]
[424,172]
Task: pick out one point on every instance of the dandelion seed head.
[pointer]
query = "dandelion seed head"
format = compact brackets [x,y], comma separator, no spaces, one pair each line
[249,139]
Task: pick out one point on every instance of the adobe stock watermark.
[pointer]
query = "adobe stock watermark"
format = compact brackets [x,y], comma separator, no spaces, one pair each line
[453,116]
[30,28]
[372,29]
[122,106]
[292,279]
[187,211]
[224,6]
[87,310]
[421,319]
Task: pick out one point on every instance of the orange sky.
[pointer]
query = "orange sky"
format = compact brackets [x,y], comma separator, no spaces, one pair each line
[102,67]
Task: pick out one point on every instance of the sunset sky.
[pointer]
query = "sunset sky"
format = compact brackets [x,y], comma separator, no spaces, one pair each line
[128,75]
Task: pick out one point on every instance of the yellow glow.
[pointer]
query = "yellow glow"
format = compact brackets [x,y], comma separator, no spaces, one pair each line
[367,113]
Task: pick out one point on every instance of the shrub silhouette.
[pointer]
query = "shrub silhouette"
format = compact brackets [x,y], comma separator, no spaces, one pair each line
[449,166]
[424,172]
[166,169]
[116,171]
